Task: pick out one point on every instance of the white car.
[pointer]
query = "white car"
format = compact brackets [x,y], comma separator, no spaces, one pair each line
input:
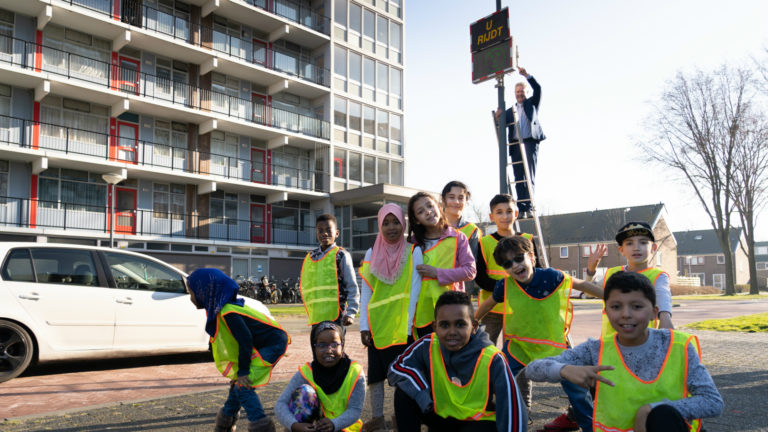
[60,301]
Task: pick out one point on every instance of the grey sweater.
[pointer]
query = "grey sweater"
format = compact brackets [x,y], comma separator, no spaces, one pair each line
[349,417]
[645,361]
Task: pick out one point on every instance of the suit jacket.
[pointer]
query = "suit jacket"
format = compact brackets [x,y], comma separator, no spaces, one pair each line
[531,108]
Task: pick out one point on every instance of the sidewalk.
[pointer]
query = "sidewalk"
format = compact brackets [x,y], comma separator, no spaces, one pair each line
[737,361]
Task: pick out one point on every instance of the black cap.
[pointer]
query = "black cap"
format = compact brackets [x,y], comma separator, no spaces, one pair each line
[634,229]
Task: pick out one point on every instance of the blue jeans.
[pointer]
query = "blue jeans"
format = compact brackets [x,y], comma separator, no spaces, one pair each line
[245,397]
[578,396]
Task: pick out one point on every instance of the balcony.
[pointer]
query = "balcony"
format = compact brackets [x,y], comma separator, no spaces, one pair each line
[54,215]
[20,133]
[143,87]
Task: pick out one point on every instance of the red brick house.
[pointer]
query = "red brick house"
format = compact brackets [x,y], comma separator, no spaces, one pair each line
[699,254]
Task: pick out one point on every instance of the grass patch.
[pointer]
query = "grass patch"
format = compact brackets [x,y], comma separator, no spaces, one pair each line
[757,323]
[287,310]
[720,297]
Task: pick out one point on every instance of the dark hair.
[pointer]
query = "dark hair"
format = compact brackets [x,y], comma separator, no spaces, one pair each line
[627,282]
[454,297]
[326,325]
[417,231]
[513,245]
[452,184]
[326,217]
[501,199]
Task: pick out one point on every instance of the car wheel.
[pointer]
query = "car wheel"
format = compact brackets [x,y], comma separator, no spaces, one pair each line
[16,350]
[582,296]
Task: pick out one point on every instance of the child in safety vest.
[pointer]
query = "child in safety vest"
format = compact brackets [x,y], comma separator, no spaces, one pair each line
[455,196]
[638,245]
[246,343]
[489,272]
[390,288]
[537,319]
[455,379]
[646,379]
[448,261]
[327,394]
[328,285]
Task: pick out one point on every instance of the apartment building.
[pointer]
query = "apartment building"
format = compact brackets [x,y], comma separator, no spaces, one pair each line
[204,132]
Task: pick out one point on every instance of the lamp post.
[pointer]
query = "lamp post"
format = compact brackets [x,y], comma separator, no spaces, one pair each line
[112,179]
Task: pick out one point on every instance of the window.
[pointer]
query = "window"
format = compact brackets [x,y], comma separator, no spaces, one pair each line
[4,165]
[355,73]
[702,278]
[382,166]
[137,273]
[718,280]
[170,139]
[397,173]
[340,61]
[395,42]
[64,266]
[369,29]
[18,266]
[223,151]
[354,116]
[339,163]
[762,265]
[721,259]
[369,169]
[168,201]
[72,190]
[382,32]
[761,250]
[355,19]
[354,166]
[382,82]
[563,251]
[6,32]
[340,112]
[224,207]
[340,12]
[395,87]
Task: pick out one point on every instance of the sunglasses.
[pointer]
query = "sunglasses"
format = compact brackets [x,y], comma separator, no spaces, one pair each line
[515,259]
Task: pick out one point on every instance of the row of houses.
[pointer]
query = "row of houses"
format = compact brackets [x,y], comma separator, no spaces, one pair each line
[570,238]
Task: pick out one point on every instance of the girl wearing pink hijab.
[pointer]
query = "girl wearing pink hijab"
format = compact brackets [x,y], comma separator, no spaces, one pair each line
[390,288]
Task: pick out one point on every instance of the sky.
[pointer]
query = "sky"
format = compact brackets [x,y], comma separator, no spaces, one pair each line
[601,64]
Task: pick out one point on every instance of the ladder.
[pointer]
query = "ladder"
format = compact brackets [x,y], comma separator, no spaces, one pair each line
[511,183]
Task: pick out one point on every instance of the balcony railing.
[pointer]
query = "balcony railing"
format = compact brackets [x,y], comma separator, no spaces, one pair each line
[287,9]
[20,132]
[18,212]
[130,81]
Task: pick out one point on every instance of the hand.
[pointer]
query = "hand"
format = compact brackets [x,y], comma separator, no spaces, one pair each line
[522,71]
[665,320]
[347,320]
[324,425]
[585,376]
[303,427]
[497,114]
[595,255]
[243,381]
[365,338]
[641,417]
[426,270]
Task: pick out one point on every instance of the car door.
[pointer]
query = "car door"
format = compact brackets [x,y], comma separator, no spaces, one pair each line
[71,307]
[154,310]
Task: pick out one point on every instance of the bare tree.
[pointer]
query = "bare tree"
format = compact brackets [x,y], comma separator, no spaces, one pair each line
[697,125]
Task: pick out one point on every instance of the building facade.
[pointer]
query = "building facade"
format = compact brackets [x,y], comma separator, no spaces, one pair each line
[700,255]
[570,238]
[761,260]
[226,126]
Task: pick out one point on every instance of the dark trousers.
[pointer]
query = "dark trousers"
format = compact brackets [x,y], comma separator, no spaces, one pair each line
[664,418]
[409,418]
[521,188]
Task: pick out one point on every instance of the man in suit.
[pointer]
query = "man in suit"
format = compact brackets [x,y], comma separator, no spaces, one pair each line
[530,132]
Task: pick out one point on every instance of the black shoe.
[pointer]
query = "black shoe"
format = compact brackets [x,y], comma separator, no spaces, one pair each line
[526,214]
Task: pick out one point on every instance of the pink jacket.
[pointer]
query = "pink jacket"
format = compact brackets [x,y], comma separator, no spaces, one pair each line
[464,268]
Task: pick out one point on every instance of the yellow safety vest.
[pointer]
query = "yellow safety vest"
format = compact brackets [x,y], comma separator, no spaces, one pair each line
[226,349]
[320,287]
[615,407]
[443,256]
[651,273]
[469,228]
[388,306]
[334,405]
[462,402]
[536,328]
[493,269]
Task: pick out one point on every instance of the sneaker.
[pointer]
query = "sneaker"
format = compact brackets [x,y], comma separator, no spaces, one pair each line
[375,424]
[561,423]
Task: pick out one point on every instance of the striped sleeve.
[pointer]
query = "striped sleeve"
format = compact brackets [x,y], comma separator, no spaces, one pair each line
[410,372]
[511,412]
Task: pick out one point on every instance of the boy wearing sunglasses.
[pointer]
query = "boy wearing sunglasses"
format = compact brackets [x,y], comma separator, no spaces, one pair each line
[537,319]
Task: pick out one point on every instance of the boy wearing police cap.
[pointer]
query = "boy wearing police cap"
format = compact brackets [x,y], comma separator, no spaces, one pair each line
[637,244]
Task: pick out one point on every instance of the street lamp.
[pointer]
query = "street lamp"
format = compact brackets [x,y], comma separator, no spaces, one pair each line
[112,179]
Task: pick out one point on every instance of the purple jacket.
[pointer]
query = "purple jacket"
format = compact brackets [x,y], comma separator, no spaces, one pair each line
[464,268]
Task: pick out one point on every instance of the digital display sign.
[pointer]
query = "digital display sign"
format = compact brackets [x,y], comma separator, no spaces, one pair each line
[492,61]
[490,30]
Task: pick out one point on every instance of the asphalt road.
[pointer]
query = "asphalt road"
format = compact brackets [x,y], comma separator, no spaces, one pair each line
[72,387]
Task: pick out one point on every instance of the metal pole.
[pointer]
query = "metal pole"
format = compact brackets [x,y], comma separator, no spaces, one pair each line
[501,129]
[112,218]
